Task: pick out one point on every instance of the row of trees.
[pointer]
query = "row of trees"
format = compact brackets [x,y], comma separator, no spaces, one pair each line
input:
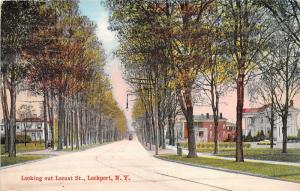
[50,49]
[176,51]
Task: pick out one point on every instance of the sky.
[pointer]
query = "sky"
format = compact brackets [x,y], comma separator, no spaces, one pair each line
[96,12]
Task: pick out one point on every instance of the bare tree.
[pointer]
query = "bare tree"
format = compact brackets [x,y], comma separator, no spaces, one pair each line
[285,64]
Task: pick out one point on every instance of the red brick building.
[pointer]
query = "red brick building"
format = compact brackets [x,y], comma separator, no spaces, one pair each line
[204,128]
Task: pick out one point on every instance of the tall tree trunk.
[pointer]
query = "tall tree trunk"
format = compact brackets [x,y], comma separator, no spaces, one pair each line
[272,122]
[284,133]
[186,104]
[12,120]
[50,115]
[81,122]
[5,113]
[61,104]
[285,111]
[216,124]
[68,105]
[68,126]
[191,131]
[45,118]
[170,129]
[76,123]
[239,116]
[72,128]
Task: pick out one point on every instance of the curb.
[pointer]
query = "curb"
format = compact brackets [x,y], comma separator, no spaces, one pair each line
[27,162]
[224,170]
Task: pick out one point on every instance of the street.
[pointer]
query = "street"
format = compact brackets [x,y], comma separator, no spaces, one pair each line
[126,165]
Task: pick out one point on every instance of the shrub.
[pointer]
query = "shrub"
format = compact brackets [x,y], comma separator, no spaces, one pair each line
[249,137]
[2,140]
[21,138]
[293,138]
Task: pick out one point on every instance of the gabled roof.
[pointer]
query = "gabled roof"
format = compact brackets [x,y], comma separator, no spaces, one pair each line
[204,118]
[30,119]
[262,109]
[254,110]
[230,124]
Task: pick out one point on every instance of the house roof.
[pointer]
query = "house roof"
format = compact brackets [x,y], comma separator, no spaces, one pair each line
[203,117]
[30,119]
[254,110]
[229,124]
[33,130]
[262,109]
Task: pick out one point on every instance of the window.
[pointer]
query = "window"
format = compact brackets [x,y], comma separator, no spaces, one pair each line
[201,133]
[251,120]
[18,127]
[39,127]
[32,134]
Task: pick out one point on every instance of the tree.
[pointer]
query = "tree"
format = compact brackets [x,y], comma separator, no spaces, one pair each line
[287,15]
[247,31]
[25,112]
[155,39]
[285,64]
[213,80]
[18,20]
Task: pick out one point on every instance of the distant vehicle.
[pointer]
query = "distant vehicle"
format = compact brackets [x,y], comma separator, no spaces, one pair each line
[130,137]
[265,142]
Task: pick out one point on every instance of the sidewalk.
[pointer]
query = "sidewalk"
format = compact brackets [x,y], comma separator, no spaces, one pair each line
[208,155]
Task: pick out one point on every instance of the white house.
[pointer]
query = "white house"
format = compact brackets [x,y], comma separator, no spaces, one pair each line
[34,127]
[256,120]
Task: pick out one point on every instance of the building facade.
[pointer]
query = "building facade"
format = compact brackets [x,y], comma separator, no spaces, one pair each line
[33,127]
[204,128]
[257,120]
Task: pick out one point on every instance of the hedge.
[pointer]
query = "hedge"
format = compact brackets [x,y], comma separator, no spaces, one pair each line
[19,139]
[221,145]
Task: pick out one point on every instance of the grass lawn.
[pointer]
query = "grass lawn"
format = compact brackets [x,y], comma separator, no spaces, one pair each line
[29,147]
[293,154]
[275,154]
[5,160]
[283,172]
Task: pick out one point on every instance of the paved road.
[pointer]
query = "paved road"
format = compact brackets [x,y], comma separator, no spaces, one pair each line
[114,163]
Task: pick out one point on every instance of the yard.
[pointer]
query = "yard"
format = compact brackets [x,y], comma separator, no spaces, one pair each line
[5,160]
[228,150]
[29,147]
[275,154]
[284,172]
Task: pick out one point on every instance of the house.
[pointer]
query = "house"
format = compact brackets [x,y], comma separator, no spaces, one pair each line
[34,128]
[204,128]
[256,120]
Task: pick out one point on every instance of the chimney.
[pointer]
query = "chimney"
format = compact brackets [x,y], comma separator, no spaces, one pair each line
[207,115]
[221,115]
[291,103]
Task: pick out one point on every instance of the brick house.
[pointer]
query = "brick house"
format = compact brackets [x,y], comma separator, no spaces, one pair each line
[204,128]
